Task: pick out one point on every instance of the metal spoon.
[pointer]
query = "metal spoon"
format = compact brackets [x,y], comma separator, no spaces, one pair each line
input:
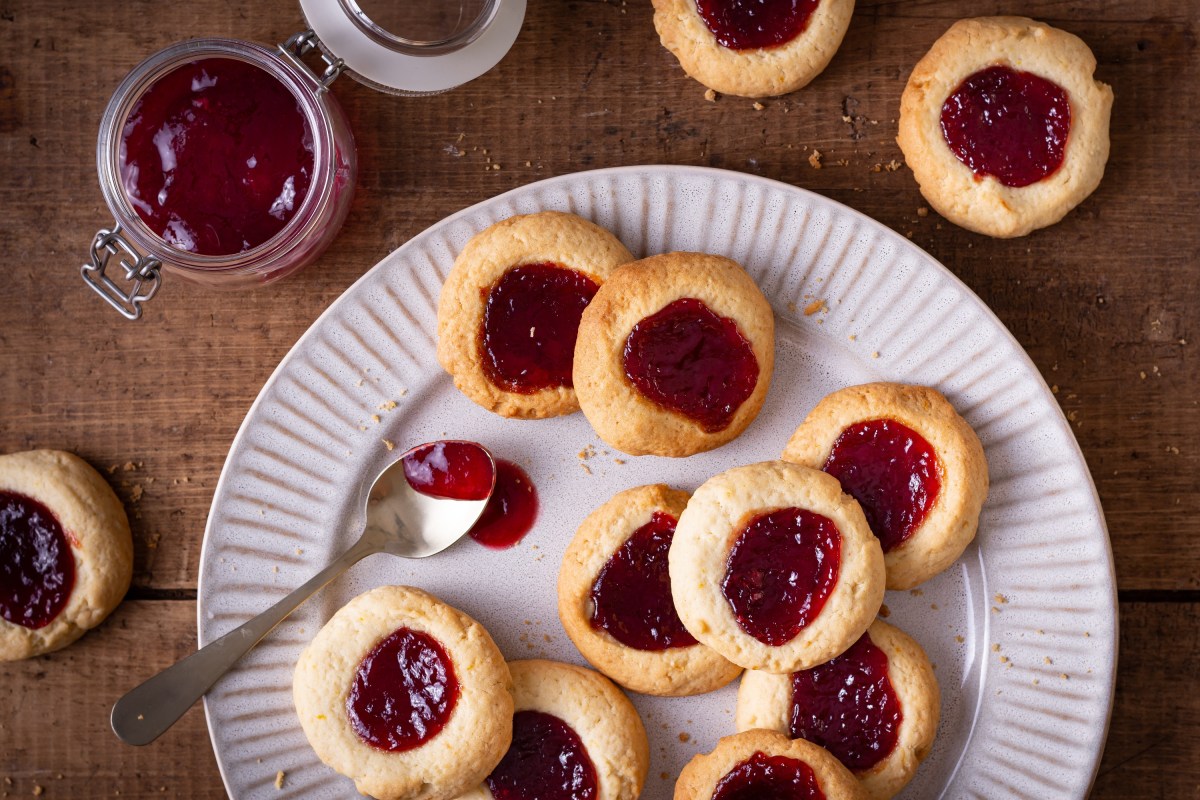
[399,520]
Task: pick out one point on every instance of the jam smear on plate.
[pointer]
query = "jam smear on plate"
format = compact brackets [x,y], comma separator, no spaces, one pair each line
[764,777]
[453,470]
[1008,124]
[216,156]
[688,359]
[631,597]
[530,323]
[546,761]
[403,693]
[892,472]
[847,705]
[511,510]
[755,24]
[37,567]
[781,570]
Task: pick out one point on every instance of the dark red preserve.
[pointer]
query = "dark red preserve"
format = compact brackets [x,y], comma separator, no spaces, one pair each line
[511,510]
[530,324]
[892,472]
[403,693]
[546,761]
[1008,124]
[847,705]
[631,597]
[37,567]
[764,777]
[690,360]
[216,156]
[453,470]
[755,24]
[781,570]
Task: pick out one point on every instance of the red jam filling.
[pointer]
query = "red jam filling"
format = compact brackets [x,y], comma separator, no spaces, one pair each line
[546,761]
[892,472]
[689,360]
[510,511]
[847,706]
[403,693]
[530,323]
[755,24]
[216,156]
[1008,124]
[764,777]
[631,597]
[37,568]
[453,470]
[781,570]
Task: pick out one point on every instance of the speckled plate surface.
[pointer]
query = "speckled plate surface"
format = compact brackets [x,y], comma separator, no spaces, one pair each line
[1026,720]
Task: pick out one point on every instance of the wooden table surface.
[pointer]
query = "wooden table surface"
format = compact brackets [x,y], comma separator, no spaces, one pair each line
[1106,303]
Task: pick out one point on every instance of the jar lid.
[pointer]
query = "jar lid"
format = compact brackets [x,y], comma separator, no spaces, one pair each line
[418,47]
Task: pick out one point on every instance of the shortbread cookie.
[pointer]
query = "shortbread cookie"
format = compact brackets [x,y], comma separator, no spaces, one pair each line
[914,465]
[766,764]
[1004,126]
[674,354]
[753,49]
[574,735]
[66,554]
[874,707]
[614,598]
[510,309]
[405,695]
[775,568]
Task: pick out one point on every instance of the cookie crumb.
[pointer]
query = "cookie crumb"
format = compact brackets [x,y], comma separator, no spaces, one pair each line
[893,165]
[618,461]
[388,406]
[685,737]
[814,307]
[711,95]
[922,212]
[814,159]
[884,611]
[135,493]
[360,382]
[390,445]
[37,790]
[1047,660]
[758,106]
[959,639]
[1001,599]
[375,418]
[996,647]
[1064,676]
[875,354]
[279,779]
[916,592]
[666,776]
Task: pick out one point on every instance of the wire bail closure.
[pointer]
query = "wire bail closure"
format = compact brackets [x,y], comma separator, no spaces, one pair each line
[142,273]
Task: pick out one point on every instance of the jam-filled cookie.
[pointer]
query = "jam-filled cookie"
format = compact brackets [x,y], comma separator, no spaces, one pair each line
[875,707]
[765,764]
[509,310]
[774,567]
[66,554]
[405,695]
[1004,126]
[614,598]
[753,49]
[674,354]
[914,465]
[575,737]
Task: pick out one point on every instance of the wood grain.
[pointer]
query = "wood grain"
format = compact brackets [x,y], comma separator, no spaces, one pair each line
[1105,302]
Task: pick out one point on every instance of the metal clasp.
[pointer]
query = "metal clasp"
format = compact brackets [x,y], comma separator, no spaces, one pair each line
[299,45]
[142,271]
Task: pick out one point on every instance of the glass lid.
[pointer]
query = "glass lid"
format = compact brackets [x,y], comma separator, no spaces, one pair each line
[416,46]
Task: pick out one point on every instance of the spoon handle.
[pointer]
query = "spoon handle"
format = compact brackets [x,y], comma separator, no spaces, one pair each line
[144,713]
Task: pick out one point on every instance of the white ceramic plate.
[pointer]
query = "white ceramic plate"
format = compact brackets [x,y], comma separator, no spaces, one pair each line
[1026,720]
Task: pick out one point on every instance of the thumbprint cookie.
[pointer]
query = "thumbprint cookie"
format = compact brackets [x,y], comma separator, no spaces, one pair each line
[614,598]
[1004,126]
[753,48]
[875,707]
[674,355]
[914,465]
[575,737]
[774,567]
[760,764]
[509,310]
[405,695]
[66,553]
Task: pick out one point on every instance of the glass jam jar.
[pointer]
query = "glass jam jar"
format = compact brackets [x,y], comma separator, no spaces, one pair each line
[213,177]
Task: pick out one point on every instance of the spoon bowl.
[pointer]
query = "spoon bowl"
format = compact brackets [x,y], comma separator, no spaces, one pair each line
[419,505]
